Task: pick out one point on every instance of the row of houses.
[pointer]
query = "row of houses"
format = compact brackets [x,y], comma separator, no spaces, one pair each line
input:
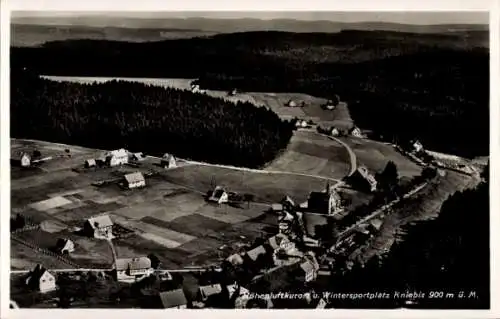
[122,157]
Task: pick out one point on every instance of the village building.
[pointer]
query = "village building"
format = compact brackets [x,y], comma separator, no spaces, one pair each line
[330,105]
[134,180]
[321,304]
[168,161]
[204,292]
[280,241]
[309,269]
[40,279]
[363,179]
[117,157]
[291,103]
[417,147]
[24,159]
[254,253]
[301,123]
[355,131]
[334,131]
[173,299]
[219,195]
[90,163]
[99,227]
[327,202]
[131,269]
[65,246]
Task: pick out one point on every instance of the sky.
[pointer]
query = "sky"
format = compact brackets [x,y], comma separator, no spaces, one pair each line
[424,18]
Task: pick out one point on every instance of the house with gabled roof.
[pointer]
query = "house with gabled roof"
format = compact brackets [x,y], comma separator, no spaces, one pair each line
[65,246]
[254,253]
[134,180]
[99,227]
[117,157]
[355,131]
[91,162]
[363,179]
[40,279]
[327,202]
[168,161]
[131,269]
[204,292]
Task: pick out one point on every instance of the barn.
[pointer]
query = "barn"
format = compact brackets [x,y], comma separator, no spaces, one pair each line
[134,180]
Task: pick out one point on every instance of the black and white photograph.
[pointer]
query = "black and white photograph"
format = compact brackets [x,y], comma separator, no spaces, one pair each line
[321,160]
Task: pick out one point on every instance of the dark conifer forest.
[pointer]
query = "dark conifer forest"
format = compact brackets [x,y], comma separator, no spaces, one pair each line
[149,119]
[434,87]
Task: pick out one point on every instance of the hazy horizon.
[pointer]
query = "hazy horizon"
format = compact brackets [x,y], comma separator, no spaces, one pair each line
[414,17]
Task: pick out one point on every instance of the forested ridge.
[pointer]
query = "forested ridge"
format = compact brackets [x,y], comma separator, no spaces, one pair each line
[149,119]
[434,87]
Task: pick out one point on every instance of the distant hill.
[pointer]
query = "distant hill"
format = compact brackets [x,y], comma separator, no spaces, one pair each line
[140,29]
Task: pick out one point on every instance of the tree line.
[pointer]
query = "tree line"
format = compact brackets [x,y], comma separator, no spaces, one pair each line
[144,118]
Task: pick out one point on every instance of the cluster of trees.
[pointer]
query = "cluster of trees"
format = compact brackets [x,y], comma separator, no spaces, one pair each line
[149,119]
[449,254]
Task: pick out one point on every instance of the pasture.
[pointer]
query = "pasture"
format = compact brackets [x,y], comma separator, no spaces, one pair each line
[311,153]
[375,156]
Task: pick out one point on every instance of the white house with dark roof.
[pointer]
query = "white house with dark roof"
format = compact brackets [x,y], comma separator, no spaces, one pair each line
[309,267]
[417,147]
[363,175]
[133,269]
[91,162]
[65,246]
[356,132]
[99,227]
[134,180]
[117,157]
[235,259]
[168,161]
[327,202]
[40,279]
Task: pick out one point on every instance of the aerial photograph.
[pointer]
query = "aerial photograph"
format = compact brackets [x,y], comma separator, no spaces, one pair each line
[236,160]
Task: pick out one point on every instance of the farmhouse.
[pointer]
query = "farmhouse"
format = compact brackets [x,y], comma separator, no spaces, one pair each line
[363,179]
[99,227]
[205,292]
[90,163]
[327,202]
[134,180]
[65,246]
[219,195]
[173,299]
[355,131]
[117,157]
[128,269]
[23,159]
[40,279]
[291,103]
[168,161]
[417,147]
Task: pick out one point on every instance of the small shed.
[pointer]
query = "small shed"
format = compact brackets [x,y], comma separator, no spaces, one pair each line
[65,246]
[219,195]
[291,103]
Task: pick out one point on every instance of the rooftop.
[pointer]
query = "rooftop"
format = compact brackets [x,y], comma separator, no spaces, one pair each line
[100,221]
[173,298]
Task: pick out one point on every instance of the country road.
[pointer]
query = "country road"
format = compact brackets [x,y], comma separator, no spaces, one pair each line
[352,155]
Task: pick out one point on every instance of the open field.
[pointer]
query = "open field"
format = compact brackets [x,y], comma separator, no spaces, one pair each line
[314,154]
[312,110]
[169,216]
[375,156]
